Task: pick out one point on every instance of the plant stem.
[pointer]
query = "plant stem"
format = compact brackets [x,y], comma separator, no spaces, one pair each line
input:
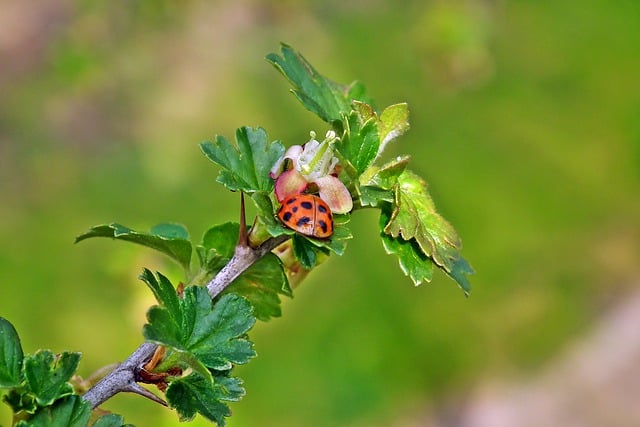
[123,377]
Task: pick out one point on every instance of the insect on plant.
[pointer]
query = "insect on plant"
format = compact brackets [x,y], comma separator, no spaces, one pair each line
[307,214]
[234,275]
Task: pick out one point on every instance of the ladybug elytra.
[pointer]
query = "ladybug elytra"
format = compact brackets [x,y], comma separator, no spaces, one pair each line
[307,214]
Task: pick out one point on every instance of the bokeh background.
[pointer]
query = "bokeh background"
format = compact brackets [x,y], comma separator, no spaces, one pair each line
[525,122]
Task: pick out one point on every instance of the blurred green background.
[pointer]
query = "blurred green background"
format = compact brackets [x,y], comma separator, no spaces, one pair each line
[525,122]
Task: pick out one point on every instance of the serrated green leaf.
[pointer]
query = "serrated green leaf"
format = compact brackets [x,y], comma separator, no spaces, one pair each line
[386,176]
[413,262]
[394,121]
[111,420]
[194,394]
[360,142]
[337,243]
[170,239]
[10,355]
[373,196]
[217,338]
[247,166]
[19,399]
[459,272]
[261,284]
[304,251]
[164,292]
[377,184]
[72,411]
[214,335]
[414,217]
[318,94]
[47,375]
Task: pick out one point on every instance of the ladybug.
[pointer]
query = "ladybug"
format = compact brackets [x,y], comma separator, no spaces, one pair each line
[307,214]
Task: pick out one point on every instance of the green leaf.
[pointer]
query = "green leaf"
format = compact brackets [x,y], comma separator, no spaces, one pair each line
[19,399]
[414,217]
[266,214]
[165,294]
[217,338]
[214,335]
[222,239]
[170,231]
[337,243]
[377,184]
[261,284]
[170,239]
[373,196]
[194,394]
[304,251]
[111,420]
[360,142]
[386,176]
[318,94]
[247,166]
[10,355]
[47,375]
[413,262]
[72,411]
[394,121]
[218,246]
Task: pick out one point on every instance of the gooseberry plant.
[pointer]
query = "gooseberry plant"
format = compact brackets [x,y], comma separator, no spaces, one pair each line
[197,331]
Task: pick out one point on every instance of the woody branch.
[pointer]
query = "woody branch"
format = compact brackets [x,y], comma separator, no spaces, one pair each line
[124,377]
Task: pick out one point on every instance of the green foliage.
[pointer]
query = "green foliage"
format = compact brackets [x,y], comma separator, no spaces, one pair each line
[414,218]
[245,167]
[204,338]
[38,384]
[360,142]
[48,375]
[10,355]
[191,325]
[70,411]
[413,262]
[325,98]
[208,338]
[194,394]
[304,251]
[170,239]
[364,134]
[260,284]
[111,420]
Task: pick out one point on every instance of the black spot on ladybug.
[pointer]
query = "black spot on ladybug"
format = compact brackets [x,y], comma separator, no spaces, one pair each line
[321,208]
[323,225]
[303,221]
[294,209]
[286,216]
[291,200]
[307,205]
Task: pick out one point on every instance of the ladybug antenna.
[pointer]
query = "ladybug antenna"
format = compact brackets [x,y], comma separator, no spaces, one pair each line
[243,237]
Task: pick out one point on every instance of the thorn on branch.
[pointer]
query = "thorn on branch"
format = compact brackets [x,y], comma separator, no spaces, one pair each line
[243,236]
[138,389]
